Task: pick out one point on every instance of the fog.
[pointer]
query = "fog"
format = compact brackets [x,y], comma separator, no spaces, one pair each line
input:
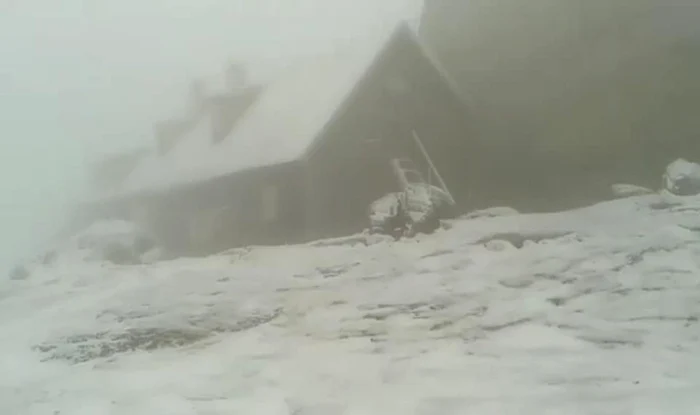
[607,88]
[409,297]
[580,81]
[79,79]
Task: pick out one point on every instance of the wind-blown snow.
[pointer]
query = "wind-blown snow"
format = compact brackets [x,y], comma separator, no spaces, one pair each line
[595,313]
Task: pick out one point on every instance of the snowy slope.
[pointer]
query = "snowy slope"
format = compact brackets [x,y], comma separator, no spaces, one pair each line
[596,312]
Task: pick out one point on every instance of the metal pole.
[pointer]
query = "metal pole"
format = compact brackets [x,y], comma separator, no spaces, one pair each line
[432,166]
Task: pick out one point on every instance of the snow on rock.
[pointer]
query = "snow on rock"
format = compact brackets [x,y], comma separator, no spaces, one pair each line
[682,178]
[491,212]
[598,316]
[629,190]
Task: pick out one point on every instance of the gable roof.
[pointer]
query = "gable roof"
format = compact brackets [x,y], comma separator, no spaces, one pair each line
[281,126]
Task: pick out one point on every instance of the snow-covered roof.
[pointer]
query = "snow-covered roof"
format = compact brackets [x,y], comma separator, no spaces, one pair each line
[280,126]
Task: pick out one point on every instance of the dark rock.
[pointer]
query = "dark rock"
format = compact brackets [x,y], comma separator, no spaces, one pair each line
[85,347]
[686,186]
[682,178]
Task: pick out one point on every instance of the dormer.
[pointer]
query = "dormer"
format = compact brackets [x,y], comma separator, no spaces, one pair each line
[197,97]
[229,106]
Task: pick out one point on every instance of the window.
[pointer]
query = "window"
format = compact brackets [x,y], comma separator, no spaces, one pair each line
[270,201]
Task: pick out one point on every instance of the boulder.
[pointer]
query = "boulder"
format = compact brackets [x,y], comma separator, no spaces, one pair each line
[622,190]
[682,178]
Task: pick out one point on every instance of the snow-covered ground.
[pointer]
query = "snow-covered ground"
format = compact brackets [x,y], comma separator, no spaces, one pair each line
[592,311]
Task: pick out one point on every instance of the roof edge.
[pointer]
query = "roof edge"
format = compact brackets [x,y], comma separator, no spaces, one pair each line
[362,79]
[437,64]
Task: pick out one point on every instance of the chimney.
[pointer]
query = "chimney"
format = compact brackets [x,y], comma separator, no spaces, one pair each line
[197,94]
[236,77]
[168,133]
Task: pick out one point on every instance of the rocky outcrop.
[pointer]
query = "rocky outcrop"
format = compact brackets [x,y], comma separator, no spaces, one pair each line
[682,178]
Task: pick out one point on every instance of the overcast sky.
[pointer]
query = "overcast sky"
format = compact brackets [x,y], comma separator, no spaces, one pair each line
[83,77]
